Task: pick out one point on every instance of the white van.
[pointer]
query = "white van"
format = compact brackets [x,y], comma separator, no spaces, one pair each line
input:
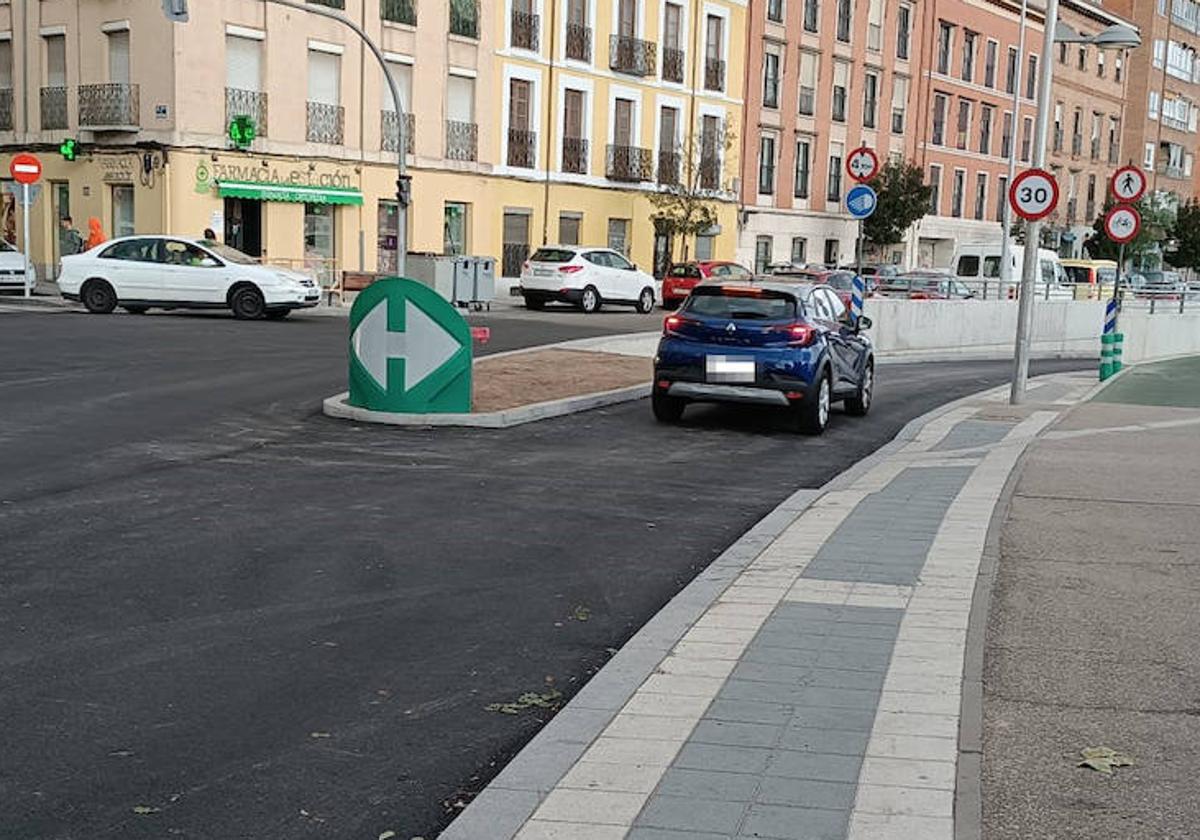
[978,265]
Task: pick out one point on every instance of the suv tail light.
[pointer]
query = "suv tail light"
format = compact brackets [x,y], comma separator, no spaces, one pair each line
[800,335]
[672,324]
[570,269]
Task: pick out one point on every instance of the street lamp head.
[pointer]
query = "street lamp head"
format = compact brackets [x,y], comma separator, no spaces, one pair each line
[1117,37]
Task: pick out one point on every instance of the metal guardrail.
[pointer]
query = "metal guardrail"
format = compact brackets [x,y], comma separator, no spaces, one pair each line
[1183,297]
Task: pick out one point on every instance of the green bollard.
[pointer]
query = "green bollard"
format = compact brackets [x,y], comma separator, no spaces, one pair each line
[1118,349]
[1106,355]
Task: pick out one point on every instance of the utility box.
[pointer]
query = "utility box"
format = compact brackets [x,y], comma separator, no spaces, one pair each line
[437,271]
[464,281]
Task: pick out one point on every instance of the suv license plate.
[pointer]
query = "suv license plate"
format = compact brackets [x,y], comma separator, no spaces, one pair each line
[729,368]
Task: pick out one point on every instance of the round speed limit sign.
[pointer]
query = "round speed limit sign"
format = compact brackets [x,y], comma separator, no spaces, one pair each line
[1034,194]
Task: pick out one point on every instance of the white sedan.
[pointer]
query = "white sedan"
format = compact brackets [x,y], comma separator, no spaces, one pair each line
[585,277]
[170,272]
[12,267]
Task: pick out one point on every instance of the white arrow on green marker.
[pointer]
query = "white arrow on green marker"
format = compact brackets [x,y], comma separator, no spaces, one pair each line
[424,345]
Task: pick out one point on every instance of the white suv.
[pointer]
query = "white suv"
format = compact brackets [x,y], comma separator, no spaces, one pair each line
[585,277]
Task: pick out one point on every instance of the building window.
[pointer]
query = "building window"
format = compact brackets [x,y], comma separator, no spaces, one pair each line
[568,228]
[1001,196]
[803,157]
[1100,63]
[775,10]
[968,55]
[1119,68]
[945,41]
[834,191]
[1026,138]
[964,123]
[985,129]
[766,165]
[762,254]
[870,99]
[319,241]
[808,83]
[714,61]
[833,248]
[875,26]
[770,80]
[454,228]
[1083,57]
[1148,157]
[935,189]
[899,103]
[841,73]
[1031,82]
[514,243]
[1057,140]
[956,193]
[843,20]
[799,250]
[811,15]
[1010,71]
[939,120]
[1006,136]
[1152,111]
[989,64]
[704,246]
[122,210]
[903,31]
[618,236]
[980,196]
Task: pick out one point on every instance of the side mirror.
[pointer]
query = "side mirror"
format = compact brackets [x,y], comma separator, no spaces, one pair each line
[865,323]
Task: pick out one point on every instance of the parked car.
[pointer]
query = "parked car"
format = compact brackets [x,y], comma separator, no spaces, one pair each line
[881,271]
[926,285]
[766,343]
[138,273]
[585,277]
[12,268]
[979,266]
[1159,285]
[683,277]
[840,280]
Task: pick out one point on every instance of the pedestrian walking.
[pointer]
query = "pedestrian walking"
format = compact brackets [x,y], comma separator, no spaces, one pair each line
[95,233]
[70,241]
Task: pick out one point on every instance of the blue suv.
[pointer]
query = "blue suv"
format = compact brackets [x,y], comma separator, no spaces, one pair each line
[769,343]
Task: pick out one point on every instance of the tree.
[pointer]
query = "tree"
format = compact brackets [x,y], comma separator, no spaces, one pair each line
[904,198]
[687,205]
[1158,219]
[1186,234]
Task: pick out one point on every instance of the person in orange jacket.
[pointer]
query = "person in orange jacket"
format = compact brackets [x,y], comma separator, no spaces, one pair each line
[95,233]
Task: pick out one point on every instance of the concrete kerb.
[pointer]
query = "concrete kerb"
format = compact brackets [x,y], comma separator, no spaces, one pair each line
[500,810]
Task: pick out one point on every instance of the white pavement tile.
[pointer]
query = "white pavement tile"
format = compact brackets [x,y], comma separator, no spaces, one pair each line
[641,751]
[907,772]
[724,635]
[913,746]
[621,778]
[923,683]
[713,621]
[908,701]
[665,705]
[899,827]
[708,650]
[896,602]
[908,666]
[653,727]
[917,633]
[915,723]
[735,610]
[753,594]
[886,799]
[596,807]
[676,684]
[544,830]
[720,668]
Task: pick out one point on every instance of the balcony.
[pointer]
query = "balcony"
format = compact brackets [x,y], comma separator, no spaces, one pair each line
[325,123]
[522,148]
[668,167]
[710,171]
[390,131]
[714,74]
[575,155]
[53,108]
[247,103]
[399,11]
[109,107]
[525,30]
[462,140]
[672,69]
[464,18]
[630,164]
[632,55]
[6,109]
[579,42]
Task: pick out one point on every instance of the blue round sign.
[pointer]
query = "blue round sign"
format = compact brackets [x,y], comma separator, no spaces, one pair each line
[861,201]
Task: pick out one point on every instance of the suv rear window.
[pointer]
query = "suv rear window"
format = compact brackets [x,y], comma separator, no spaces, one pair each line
[552,255]
[748,304]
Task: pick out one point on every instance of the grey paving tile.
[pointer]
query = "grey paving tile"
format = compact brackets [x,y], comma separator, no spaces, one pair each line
[851,720]
[968,434]
[688,813]
[782,821]
[854,660]
[843,678]
[774,673]
[838,698]
[820,766]
[871,615]
[540,767]
[722,758]
[806,793]
[638,833]
[781,656]
[761,692]
[837,741]
[736,733]
[853,628]
[709,784]
[750,711]
[799,611]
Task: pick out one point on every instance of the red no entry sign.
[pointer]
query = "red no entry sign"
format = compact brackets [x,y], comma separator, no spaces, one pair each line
[1034,194]
[25,169]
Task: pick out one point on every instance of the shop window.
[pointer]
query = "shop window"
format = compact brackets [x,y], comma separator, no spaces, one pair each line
[122,210]
[319,241]
[454,228]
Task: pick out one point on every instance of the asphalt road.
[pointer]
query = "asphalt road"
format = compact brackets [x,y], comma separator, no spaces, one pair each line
[223,615]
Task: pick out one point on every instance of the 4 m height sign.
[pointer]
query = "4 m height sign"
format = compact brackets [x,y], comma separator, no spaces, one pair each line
[1034,194]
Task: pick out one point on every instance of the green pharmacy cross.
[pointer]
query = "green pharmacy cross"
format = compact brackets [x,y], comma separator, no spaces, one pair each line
[242,131]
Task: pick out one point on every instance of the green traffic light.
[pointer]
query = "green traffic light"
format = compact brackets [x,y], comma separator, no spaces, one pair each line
[67,149]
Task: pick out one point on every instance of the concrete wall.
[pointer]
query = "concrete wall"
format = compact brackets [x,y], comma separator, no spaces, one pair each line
[1161,335]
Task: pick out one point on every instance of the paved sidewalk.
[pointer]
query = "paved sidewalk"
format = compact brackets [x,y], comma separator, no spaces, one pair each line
[808,684]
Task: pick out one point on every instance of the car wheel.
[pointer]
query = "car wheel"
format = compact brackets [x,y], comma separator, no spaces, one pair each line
[536,304]
[645,301]
[98,297]
[860,404]
[247,304]
[589,301]
[667,409]
[278,314]
[814,412]
[137,310]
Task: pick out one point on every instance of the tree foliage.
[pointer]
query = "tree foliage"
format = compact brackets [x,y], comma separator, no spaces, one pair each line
[904,199]
[1187,237]
[690,206]
[1158,221]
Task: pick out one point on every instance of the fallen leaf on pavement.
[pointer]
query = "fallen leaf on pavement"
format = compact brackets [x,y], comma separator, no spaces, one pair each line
[318,734]
[528,700]
[387,835]
[582,613]
[1104,759]
[142,810]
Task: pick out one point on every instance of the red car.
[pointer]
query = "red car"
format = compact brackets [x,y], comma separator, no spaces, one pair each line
[683,277]
[840,280]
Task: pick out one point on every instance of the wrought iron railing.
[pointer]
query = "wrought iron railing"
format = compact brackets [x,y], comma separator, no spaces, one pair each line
[6,109]
[464,18]
[672,65]
[112,105]
[629,163]
[390,131]
[575,155]
[522,148]
[462,140]
[668,167]
[714,74]
[513,258]
[710,171]
[326,123]
[579,42]
[399,11]
[525,30]
[247,103]
[632,55]
[53,108]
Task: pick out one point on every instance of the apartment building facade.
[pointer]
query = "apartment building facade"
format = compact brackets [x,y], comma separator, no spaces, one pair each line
[972,72]
[1164,94]
[823,78]
[151,103]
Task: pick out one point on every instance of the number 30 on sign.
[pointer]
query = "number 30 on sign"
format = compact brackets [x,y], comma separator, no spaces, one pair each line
[1034,194]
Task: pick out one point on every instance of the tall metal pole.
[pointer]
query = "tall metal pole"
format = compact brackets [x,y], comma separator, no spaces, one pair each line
[27,246]
[1006,214]
[1033,231]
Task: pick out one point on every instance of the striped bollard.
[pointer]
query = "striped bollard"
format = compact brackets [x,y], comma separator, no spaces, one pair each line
[856,299]
[1118,350]
[1108,340]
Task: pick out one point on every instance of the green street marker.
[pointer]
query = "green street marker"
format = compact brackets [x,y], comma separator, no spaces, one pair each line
[1106,355]
[410,350]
